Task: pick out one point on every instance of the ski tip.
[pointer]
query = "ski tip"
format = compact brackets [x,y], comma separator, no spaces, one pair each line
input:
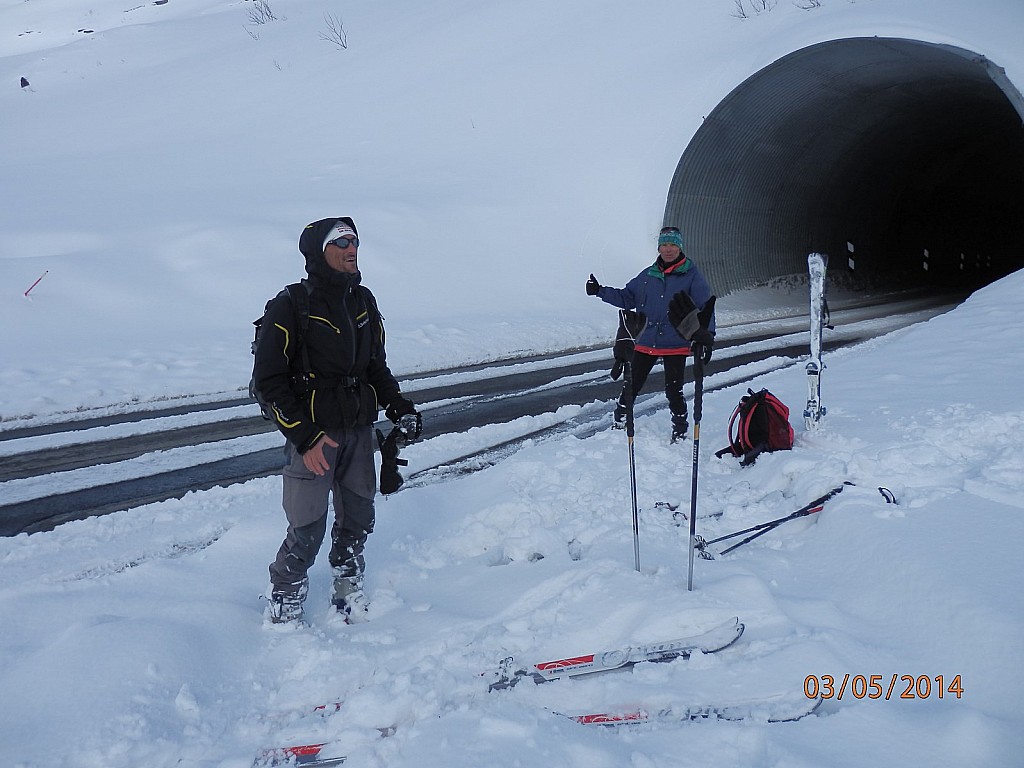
[733,623]
[798,714]
[739,627]
[724,635]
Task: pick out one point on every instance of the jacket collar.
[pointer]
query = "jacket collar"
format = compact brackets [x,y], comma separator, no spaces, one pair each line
[659,269]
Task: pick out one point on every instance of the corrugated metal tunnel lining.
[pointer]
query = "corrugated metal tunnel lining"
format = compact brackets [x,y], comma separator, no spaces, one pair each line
[896,146]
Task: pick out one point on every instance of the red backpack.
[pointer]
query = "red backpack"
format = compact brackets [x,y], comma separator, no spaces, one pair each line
[759,423]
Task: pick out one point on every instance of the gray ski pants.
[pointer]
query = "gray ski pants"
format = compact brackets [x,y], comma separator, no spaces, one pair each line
[352,482]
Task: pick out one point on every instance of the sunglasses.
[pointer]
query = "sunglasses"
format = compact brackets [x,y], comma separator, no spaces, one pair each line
[668,230]
[345,242]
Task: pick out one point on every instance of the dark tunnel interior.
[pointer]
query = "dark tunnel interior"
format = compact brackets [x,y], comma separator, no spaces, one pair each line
[902,160]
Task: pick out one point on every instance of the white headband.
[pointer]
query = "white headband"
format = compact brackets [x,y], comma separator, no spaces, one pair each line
[340,229]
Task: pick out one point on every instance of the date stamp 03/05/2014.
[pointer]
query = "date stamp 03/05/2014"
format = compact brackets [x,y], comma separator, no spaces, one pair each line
[888,687]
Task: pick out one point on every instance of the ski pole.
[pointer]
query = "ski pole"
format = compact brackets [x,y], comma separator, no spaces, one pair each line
[804,510]
[809,509]
[36,282]
[698,397]
[704,316]
[628,373]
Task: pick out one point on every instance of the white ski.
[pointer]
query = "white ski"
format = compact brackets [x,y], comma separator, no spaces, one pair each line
[722,636]
[313,755]
[783,708]
[817,263]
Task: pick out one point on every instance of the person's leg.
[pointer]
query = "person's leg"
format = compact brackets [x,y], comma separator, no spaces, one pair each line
[288,579]
[304,498]
[640,369]
[351,528]
[353,523]
[675,368]
[354,489]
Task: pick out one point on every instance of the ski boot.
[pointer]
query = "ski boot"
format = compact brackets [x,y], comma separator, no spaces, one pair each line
[286,605]
[347,597]
[680,427]
[619,417]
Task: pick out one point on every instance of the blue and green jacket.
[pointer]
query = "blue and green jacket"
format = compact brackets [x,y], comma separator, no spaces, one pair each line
[650,292]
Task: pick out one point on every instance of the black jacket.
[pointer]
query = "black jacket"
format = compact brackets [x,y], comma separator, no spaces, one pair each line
[350,380]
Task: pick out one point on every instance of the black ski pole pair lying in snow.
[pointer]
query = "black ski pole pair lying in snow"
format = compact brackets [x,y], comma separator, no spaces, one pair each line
[817,505]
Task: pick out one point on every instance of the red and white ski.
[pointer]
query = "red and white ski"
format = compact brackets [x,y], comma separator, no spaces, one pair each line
[308,755]
[722,636]
[783,708]
[317,755]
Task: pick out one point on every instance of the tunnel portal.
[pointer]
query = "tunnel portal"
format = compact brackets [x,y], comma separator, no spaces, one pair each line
[901,159]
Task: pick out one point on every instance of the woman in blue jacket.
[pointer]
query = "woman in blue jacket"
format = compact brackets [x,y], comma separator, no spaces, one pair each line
[650,293]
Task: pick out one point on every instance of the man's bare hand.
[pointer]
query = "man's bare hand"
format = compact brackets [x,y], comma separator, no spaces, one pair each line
[314,458]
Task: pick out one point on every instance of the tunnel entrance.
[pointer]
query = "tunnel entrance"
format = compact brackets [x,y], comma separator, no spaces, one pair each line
[904,157]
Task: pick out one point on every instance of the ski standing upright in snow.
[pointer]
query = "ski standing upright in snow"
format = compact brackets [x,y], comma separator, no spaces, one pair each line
[817,263]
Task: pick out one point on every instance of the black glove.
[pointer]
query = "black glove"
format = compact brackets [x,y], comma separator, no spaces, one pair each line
[682,313]
[703,342]
[703,337]
[390,480]
[593,286]
[631,324]
[411,427]
[399,408]
[403,414]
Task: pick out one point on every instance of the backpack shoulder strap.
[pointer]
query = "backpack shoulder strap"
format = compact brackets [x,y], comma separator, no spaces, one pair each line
[299,295]
[734,445]
[751,403]
[370,302]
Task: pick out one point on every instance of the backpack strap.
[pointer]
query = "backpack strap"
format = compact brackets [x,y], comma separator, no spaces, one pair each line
[753,401]
[299,294]
[734,446]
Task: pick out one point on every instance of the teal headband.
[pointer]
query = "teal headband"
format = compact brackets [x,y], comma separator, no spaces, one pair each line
[671,238]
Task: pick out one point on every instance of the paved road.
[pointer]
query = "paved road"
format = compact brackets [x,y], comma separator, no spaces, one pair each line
[452,401]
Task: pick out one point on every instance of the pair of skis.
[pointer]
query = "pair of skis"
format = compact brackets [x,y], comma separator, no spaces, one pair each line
[817,263]
[783,708]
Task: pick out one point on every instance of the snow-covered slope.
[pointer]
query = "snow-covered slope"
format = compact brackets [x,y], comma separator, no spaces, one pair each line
[137,638]
[161,167]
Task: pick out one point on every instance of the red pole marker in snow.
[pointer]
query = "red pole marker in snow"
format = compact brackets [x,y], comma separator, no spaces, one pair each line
[36,282]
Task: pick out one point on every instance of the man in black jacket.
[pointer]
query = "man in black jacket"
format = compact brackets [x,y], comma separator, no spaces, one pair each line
[325,386]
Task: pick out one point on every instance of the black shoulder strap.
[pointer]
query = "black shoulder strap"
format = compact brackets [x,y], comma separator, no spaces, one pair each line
[370,302]
[299,294]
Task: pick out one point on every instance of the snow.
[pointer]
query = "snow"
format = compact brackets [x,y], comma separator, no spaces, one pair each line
[158,171]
